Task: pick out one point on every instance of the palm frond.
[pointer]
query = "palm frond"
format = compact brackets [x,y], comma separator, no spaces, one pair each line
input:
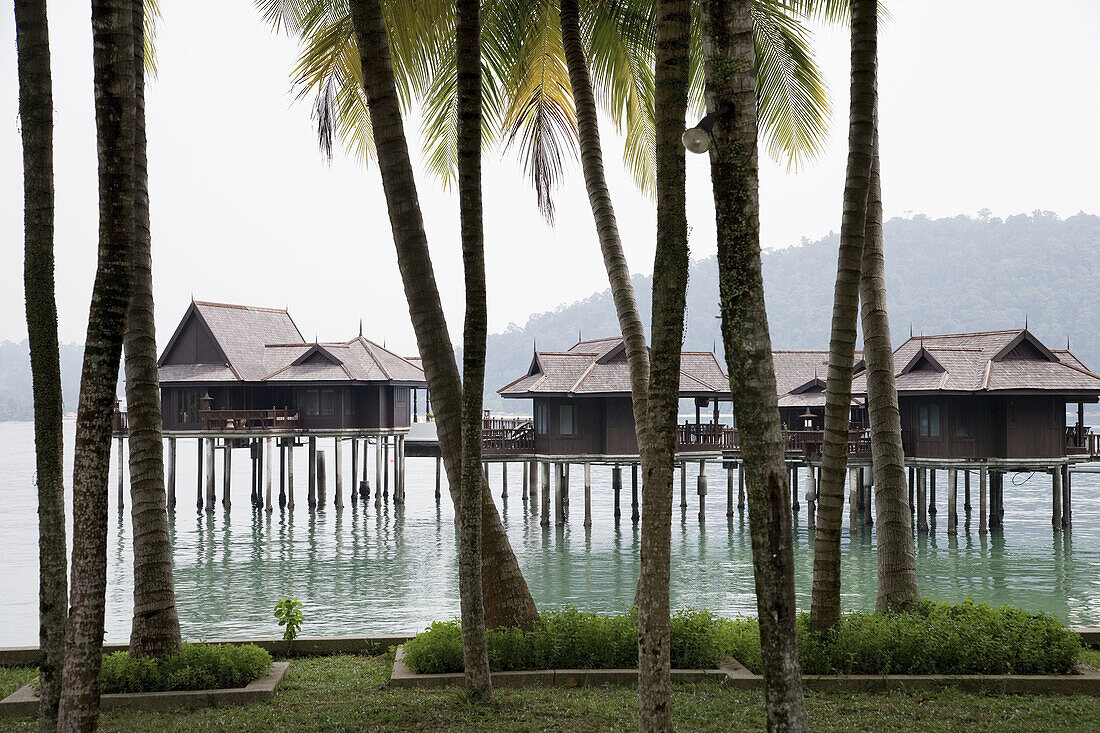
[149,20]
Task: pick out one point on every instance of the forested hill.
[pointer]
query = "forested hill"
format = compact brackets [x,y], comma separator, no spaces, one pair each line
[943,275]
[958,274]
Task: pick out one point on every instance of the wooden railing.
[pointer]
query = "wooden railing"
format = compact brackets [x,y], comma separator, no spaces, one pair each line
[706,436]
[1079,441]
[507,435]
[244,420]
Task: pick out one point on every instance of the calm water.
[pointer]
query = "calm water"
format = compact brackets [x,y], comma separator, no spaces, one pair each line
[361,572]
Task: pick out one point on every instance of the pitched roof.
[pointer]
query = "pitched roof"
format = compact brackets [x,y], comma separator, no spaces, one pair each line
[800,377]
[599,366]
[989,361]
[264,345]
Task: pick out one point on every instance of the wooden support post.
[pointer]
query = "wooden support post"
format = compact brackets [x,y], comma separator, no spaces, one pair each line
[854,483]
[683,485]
[865,489]
[211,493]
[811,498]
[966,490]
[526,489]
[1067,497]
[996,490]
[401,465]
[587,495]
[922,507]
[729,490]
[634,493]
[565,487]
[559,481]
[290,473]
[312,495]
[386,468]
[171,473]
[1056,499]
[617,487]
[227,473]
[545,518]
[255,477]
[912,489]
[795,506]
[504,480]
[853,502]
[354,467]
[741,485]
[438,477]
[983,491]
[339,498]
[121,474]
[932,492]
[282,472]
[952,491]
[364,482]
[378,470]
[267,475]
[701,483]
[322,479]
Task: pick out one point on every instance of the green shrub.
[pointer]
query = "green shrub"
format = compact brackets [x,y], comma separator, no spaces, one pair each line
[197,667]
[936,638]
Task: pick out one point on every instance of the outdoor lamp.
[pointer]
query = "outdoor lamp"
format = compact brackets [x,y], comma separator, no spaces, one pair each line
[698,139]
[808,419]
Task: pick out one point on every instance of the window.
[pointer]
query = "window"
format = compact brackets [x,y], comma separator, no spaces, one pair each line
[349,402]
[962,424]
[565,420]
[327,399]
[929,415]
[313,403]
[187,406]
[541,419]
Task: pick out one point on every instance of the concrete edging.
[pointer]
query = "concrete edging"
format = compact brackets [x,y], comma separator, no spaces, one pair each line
[309,646]
[24,701]
[734,674]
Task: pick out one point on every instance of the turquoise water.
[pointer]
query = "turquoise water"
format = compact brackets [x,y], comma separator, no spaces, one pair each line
[359,571]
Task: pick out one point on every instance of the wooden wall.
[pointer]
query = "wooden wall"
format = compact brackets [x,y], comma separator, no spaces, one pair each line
[998,426]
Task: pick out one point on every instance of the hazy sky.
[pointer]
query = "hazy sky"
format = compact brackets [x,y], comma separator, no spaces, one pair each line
[983,104]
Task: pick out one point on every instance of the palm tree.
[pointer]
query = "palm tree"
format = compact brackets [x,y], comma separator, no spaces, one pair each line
[897,572]
[155,631]
[113,61]
[36,126]
[508,601]
[825,604]
[475,651]
[727,26]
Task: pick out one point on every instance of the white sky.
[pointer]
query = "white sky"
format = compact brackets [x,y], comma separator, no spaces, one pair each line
[983,104]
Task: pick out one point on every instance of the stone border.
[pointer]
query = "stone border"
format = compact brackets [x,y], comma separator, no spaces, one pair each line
[25,702]
[306,646]
[732,673]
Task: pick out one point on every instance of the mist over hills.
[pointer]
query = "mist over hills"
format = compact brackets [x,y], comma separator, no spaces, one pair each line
[943,275]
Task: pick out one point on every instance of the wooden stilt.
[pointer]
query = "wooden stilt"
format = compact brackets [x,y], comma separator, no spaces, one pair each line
[912,489]
[282,472]
[322,479]
[526,489]
[634,493]
[952,491]
[364,482]
[996,488]
[932,492]
[254,473]
[504,480]
[702,490]
[1067,496]
[121,474]
[565,487]
[683,485]
[171,473]
[354,468]
[378,471]
[385,468]
[559,508]
[290,473]
[854,483]
[339,498]
[227,474]
[811,498]
[211,493]
[983,490]
[438,477]
[267,475]
[795,506]
[865,487]
[587,495]
[729,490]
[741,485]
[854,512]
[617,487]
[401,465]
[312,495]
[545,518]
[1056,499]
[922,506]
[966,490]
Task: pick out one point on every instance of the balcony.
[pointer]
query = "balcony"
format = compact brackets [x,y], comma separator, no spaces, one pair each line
[248,420]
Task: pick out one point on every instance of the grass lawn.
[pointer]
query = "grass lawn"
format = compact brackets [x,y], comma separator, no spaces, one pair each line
[347,693]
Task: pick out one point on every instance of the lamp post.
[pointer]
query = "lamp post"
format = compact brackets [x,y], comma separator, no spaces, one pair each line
[698,139]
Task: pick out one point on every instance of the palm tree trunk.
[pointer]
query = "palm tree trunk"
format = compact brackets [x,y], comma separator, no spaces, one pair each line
[607,228]
[36,125]
[475,651]
[658,450]
[897,570]
[825,605]
[508,601]
[729,61]
[155,631]
[113,61]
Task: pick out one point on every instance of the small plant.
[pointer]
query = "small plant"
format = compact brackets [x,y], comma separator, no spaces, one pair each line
[196,667]
[289,613]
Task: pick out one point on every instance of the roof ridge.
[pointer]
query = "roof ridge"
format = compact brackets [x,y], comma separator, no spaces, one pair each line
[242,307]
[965,333]
[584,375]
